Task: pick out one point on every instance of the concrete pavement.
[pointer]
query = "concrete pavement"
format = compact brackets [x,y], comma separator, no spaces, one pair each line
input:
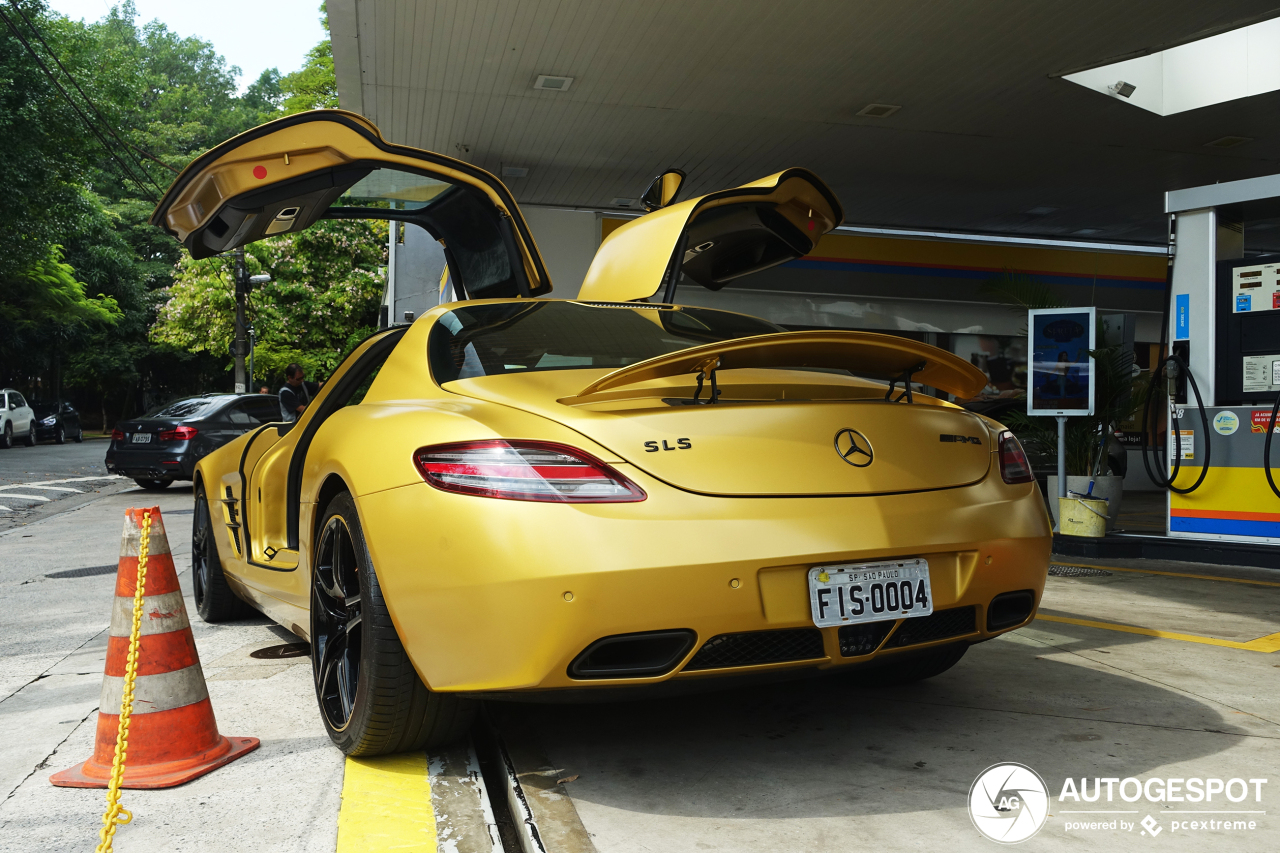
[1133,673]
[282,797]
[825,765]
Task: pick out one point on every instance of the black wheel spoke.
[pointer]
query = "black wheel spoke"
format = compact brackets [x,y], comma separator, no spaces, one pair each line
[348,672]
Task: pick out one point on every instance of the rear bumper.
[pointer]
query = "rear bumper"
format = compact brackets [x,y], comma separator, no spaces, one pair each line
[494,595]
[163,463]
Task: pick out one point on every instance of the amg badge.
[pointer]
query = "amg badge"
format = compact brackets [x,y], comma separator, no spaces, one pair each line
[960,439]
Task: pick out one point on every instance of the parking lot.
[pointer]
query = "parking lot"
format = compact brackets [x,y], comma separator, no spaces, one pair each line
[1137,670]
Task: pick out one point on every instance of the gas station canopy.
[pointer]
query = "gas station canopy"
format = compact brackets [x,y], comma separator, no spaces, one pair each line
[919,115]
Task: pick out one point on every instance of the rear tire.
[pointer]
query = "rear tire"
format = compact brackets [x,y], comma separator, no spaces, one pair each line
[154,485]
[30,440]
[917,667]
[79,434]
[60,435]
[371,699]
[6,439]
[215,602]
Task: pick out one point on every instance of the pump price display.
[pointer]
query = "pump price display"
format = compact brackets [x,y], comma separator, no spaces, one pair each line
[1255,288]
[869,592]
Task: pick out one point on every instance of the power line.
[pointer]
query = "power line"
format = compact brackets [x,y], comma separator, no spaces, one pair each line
[89,101]
[92,127]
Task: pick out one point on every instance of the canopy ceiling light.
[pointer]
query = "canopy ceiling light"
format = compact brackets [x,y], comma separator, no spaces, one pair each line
[553,84]
[1225,67]
[879,110]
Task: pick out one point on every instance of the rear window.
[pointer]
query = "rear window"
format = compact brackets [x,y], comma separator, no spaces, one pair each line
[515,337]
[187,408]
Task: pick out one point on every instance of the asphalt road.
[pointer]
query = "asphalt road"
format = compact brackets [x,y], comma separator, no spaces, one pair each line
[49,478]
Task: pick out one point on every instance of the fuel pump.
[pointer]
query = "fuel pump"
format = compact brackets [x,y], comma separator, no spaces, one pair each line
[1177,373]
[1249,328]
[1222,323]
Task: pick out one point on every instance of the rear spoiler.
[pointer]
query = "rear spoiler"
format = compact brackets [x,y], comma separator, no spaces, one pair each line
[866,354]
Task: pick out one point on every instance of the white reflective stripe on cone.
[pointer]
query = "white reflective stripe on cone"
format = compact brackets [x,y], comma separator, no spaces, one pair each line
[131,538]
[160,614]
[160,692]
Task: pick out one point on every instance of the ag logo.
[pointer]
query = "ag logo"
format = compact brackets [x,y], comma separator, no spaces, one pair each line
[1008,803]
[854,448]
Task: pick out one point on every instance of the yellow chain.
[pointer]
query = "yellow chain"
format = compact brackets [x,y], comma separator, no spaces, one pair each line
[112,817]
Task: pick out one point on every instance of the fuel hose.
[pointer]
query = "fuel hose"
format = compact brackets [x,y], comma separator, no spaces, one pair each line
[1266,447]
[1148,433]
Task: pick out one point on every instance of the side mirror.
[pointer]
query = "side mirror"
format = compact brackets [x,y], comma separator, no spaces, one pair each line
[663,190]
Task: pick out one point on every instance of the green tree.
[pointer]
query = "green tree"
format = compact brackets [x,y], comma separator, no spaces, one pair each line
[314,86]
[326,286]
[157,100]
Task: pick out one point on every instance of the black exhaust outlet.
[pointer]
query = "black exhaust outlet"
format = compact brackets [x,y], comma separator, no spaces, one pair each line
[1010,608]
[633,655]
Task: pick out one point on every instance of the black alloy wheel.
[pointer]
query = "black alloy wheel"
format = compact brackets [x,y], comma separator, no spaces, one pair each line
[6,440]
[153,485]
[371,699]
[215,602]
[60,435]
[337,629]
[30,440]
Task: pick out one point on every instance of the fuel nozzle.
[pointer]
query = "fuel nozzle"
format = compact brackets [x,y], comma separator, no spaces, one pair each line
[1171,370]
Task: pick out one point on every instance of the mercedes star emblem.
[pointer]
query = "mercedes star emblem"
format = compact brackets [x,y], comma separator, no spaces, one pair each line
[854,448]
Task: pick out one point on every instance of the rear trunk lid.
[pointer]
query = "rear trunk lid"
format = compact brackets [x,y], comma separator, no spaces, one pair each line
[775,432]
[144,434]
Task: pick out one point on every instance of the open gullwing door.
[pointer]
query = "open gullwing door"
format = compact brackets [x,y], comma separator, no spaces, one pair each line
[714,239]
[287,174]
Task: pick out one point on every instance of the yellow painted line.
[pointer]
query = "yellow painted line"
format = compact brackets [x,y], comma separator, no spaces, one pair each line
[1266,645]
[386,805]
[1066,562]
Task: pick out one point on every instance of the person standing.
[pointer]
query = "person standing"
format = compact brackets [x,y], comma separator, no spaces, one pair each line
[294,396]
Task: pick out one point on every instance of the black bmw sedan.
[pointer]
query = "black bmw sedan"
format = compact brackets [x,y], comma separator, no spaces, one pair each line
[165,444]
[57,421]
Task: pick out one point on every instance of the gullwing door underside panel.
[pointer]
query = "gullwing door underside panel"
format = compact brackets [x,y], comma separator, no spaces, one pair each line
[288,174]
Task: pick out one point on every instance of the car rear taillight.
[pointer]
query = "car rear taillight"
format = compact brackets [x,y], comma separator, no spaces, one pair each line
[523,471]
[182,433]
[117,434]
[1014,467]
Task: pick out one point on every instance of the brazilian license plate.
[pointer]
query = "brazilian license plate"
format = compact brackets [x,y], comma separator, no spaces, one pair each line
[142,438]
[869,592]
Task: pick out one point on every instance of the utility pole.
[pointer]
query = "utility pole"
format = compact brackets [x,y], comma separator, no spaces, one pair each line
[241,345]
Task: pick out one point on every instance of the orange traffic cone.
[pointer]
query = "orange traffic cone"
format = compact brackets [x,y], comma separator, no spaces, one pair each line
[173,737]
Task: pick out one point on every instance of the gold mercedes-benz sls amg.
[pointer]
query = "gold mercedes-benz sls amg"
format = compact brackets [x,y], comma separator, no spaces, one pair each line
[517,496]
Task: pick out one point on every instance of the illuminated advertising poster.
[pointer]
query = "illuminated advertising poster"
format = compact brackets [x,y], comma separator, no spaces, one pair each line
[1061,368]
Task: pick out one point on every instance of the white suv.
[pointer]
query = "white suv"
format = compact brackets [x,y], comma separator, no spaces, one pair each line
[16,419]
